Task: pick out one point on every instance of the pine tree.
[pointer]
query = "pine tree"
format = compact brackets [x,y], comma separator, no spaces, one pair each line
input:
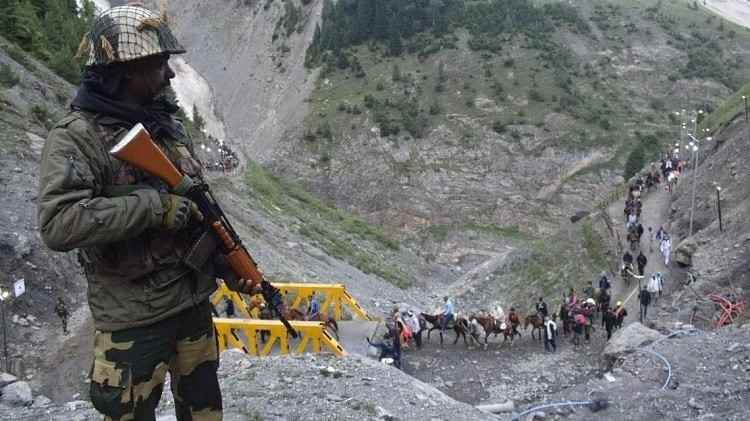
[26,28]
[312,55]
[364,21]
[198,122]
[380,24]
[395,45]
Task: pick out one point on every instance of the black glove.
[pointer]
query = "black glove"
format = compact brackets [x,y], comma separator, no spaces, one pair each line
[178,212]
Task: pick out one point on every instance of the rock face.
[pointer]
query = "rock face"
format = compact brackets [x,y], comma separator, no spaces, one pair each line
[718,254]
[257,74]
[630,338]
[18,394]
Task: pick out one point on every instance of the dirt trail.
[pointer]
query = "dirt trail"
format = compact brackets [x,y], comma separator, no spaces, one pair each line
[476,275]
[737,11]
[655,213]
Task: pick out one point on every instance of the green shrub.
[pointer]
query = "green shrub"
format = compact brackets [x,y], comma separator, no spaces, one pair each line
[435,108]
[635,161]
[8,78]
[42,115]
[535,95]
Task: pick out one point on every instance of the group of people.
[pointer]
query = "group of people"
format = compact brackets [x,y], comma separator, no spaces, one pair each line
[653,287]
[671,168]
[226,161]
[578,314]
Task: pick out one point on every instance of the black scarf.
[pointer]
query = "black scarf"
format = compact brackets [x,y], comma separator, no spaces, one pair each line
[95,96]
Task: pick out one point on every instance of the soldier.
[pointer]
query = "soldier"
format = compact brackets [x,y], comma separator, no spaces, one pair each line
[62,312]
[147,294]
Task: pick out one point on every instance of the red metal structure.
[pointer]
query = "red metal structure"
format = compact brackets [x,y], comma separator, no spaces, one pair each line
[731,305]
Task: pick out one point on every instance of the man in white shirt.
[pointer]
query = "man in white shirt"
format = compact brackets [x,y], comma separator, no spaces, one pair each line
[550,332]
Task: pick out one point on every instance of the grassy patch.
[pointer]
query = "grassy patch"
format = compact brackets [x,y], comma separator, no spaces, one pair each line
[594,245]
[8,78]
[342,235]
[511,231]
[729,109]
[439,232]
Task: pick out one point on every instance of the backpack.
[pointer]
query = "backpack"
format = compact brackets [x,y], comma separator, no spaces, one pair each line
[580,319]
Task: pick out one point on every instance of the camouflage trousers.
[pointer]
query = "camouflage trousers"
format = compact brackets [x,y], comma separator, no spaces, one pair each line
[130,367]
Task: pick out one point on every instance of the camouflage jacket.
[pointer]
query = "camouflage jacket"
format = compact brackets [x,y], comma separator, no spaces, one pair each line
[111,212]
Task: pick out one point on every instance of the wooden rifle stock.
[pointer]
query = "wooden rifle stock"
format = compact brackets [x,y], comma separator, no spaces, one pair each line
[139,150]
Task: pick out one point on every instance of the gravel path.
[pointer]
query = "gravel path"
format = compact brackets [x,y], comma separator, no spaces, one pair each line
[654,214]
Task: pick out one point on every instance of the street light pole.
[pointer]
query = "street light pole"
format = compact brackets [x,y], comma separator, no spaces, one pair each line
[718,207]
[3,296]
[744,98]
[695,179]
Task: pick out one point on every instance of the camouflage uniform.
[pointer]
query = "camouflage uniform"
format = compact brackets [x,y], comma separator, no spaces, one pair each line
[130,365]
[150,306]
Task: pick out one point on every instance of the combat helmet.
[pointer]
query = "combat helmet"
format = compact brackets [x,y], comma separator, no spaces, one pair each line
[126,33]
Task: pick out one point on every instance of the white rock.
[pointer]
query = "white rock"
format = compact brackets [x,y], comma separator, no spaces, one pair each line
[383,414]
[736,347]
[630,338]
[17,394]
[6,379]
[74,405]
[41,401]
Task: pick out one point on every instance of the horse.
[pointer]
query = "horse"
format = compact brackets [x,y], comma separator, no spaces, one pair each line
[536,323]
[508,332]
[488,323]
[460,325]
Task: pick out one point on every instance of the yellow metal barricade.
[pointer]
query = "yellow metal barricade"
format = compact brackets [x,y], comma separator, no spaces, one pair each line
[240,306]
[244,333]
[334,296]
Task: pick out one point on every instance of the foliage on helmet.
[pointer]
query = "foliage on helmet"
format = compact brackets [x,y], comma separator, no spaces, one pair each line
[128,33]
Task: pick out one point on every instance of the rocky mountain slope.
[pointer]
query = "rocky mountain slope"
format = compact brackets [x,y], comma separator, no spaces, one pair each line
[418,257]
[278,388]
[509,150]
[717,255]
[256,73]
[504,140]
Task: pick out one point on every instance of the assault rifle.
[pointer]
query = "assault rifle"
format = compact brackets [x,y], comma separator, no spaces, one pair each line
[139,150]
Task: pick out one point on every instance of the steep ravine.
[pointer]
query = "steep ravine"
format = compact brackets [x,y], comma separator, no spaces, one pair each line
[258,79]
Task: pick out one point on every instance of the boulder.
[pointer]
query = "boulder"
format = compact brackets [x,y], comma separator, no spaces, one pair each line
[41,401]
[684,252]
[6,379]
[579,215]
[630,338]
[17,394]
